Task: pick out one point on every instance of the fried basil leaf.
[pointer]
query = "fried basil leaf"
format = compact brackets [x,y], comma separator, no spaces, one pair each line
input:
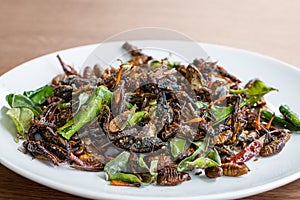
[128,178]
[214,155]
[220,113]
[101,97]
[119,164]
[255,91]
[177,146]
[200,163]
[152,169]
[22,118]
[40,95]
[202,148]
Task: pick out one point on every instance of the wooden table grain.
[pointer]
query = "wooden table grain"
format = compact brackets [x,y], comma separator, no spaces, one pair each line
[32,28]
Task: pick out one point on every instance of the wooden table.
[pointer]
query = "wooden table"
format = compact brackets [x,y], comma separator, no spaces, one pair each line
[32,28]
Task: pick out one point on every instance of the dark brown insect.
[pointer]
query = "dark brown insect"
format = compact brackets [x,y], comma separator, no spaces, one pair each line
[64,92]
[214,172]
[56,80]
[232,169]
[88,72]
[185,154]
[275,146]
[68,69]
[223,72]
[169,131]
[138,58]
[98,71]
[169,176]
[38,150]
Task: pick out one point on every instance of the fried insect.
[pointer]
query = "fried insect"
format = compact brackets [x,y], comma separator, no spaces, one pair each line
[169,176]
[214,172]
[38,150]
[276,146]
[223,137]
[68,69]
[138,58]
[233,169]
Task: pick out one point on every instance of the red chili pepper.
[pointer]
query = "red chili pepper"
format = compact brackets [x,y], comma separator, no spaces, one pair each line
[247,153]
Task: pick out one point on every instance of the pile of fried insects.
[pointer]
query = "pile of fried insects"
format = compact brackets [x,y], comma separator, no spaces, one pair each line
[151,121]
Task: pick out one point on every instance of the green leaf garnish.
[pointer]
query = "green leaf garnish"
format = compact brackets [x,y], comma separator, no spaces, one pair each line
[22,118]
[256,90]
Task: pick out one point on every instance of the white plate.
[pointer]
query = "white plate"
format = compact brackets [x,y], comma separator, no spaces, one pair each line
[266,173]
